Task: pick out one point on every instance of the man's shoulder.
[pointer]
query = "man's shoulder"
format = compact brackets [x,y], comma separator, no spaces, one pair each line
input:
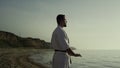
[58,29]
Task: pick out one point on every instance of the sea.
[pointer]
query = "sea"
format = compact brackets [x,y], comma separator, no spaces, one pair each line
[89,59]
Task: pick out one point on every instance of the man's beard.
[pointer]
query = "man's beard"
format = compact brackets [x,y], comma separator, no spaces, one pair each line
[65,25]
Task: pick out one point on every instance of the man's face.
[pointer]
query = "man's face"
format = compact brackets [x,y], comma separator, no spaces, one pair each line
[64,22]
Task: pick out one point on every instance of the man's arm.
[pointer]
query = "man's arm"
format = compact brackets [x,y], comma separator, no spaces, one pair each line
[71,53]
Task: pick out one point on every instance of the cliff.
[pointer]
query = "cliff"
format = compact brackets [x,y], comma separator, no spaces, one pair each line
[8,39]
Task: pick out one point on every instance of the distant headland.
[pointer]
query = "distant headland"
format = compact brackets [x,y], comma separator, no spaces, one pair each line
[10,40]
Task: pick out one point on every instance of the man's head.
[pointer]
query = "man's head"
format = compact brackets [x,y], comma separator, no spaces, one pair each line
[61,21]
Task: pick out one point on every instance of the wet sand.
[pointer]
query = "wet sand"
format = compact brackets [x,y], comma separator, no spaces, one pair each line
[19,58]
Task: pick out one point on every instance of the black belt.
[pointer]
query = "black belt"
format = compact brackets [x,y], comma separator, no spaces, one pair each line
[61,50]
[64,51]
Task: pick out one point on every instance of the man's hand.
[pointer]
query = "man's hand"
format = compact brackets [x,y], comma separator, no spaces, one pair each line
[71,53]
[78,55]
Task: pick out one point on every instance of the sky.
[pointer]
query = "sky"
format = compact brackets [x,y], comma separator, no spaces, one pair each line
[91,24]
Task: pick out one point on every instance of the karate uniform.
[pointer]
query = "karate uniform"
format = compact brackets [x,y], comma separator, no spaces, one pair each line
[60,41]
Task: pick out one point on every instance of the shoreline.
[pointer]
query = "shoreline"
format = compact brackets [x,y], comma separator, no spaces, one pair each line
[19,58]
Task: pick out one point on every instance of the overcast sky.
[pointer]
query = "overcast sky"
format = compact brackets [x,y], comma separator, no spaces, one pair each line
[92,24]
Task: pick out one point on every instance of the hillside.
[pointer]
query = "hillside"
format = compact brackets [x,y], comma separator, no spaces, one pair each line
[8,39]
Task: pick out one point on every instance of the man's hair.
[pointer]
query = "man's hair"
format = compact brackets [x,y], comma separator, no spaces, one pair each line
[59,18]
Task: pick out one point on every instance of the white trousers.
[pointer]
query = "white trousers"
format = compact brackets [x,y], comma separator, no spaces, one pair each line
[60,60]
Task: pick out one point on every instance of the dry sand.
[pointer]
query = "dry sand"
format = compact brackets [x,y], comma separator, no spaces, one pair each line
[18,58]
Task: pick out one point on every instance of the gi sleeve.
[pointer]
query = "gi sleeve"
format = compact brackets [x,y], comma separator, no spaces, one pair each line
[62,41]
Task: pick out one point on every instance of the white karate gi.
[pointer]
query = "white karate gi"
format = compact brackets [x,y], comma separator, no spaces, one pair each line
[60,41]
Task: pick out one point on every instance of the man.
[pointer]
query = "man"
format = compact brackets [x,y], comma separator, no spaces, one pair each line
[60,43]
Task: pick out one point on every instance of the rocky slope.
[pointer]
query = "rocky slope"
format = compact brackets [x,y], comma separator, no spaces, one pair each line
[8,39]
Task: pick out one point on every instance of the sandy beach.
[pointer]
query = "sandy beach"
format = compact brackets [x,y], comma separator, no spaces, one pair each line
[18,58]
